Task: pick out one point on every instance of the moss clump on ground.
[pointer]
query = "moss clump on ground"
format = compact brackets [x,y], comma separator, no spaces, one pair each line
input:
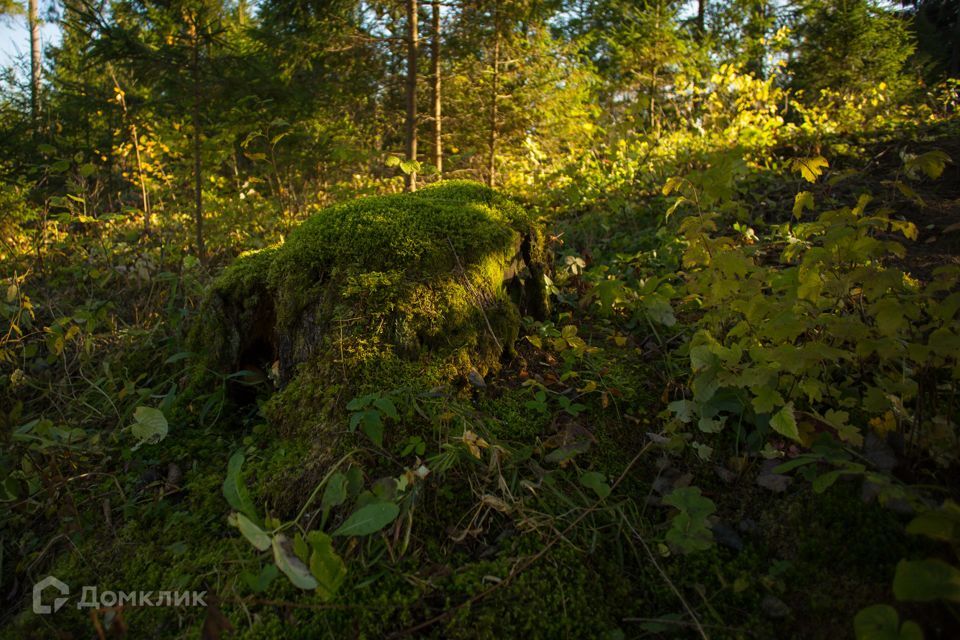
[446,271]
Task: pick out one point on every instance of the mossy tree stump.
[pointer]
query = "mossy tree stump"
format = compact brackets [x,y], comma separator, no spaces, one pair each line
[441,275]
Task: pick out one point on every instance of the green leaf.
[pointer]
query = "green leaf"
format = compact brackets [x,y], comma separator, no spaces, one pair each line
[291,565]
[689,530]
[334,494]
[369,519]
[60,166]
[254,534]
[392,161]
[803,200]
[767,399]
[386,407]
[409,166]
[784,422]
[300,547]
[87,170]
[372,426]
[684,409]
[325,565]
[596,481]
[259,583]
[930,164]
[149,427]
[881,622]
[609,292]
[939,524]
[826,480]
[926,580]
[235,490]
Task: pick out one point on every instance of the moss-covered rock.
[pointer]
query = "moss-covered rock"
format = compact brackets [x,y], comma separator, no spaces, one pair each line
[443,273]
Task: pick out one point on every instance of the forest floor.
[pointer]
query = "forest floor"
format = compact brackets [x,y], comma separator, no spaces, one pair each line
[516,543]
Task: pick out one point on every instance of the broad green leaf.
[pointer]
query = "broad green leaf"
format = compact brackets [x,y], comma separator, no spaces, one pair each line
[690,500]
[881,622]
[826,480]
[683,409]
[300,547]
[334,494]
[259,583]
[596,481]
[254,534]
[609,292]
[689,531]
[784,422]
[766,400]
[939,524]
[149,427]
[235,490]
[386,407]
[926,580]
[291,565]
[803,200]
[325,565]
[931,164]
[368,519]
[60,166]
[372,426]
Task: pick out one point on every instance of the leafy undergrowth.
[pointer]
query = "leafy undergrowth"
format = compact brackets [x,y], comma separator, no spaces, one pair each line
[738,422]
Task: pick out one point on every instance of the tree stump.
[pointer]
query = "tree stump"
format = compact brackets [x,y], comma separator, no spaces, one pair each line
[443,274]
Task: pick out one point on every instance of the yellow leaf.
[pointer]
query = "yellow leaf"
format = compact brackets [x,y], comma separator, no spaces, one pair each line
[672,185]
[810,168]
[474,443]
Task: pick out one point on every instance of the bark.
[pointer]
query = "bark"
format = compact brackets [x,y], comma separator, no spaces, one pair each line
[33,18]
[495,90]
[701,19]
[437,111]
[412,48]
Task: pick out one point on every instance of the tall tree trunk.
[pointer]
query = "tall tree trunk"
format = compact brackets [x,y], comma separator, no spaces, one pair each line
[701,19]
[412,47]
[437,115]
[197,162]
[33,17]
[495,90]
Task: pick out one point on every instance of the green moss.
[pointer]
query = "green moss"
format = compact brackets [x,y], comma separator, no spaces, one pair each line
[397,274]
